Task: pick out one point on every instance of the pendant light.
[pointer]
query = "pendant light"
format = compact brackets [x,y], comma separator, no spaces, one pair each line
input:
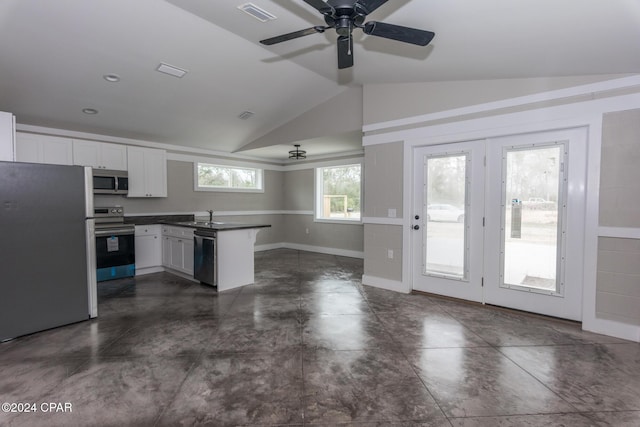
[297,154]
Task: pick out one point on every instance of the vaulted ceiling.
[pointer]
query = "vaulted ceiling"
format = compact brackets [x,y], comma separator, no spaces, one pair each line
[54,56]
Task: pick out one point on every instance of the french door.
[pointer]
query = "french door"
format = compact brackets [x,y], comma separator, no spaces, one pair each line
[501,221]
[448,236]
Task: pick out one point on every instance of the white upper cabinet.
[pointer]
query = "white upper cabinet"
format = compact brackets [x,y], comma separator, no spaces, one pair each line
[7,136]
[100,155]
[147,172]
[34,148]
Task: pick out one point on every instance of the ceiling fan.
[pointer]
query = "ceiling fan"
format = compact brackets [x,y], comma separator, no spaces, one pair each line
[345,16]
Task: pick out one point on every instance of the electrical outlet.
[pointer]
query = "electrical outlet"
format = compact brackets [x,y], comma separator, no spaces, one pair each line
[390,253]
[306,230]
[391,213]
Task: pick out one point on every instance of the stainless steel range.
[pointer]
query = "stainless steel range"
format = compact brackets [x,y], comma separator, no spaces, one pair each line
[115,244]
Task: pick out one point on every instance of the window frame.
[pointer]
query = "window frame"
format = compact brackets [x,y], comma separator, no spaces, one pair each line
[318,191]
[228,189]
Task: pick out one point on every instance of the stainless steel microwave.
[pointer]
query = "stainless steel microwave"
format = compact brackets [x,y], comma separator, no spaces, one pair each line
[110,182]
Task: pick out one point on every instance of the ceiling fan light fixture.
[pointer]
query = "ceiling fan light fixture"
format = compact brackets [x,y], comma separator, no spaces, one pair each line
[297,154]
[257,12]
[90,111]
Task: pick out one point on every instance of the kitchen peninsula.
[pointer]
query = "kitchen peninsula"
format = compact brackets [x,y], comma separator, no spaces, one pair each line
[216,253]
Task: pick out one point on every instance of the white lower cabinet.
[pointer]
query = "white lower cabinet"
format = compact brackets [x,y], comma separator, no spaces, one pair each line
[148,243]
[177,249]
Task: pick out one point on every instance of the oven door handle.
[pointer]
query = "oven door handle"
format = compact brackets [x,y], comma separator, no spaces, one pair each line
[114,232]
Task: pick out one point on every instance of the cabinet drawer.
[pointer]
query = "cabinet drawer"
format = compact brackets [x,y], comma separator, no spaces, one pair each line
[180,232]
[148,230]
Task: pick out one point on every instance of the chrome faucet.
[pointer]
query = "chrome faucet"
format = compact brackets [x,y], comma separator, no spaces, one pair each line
[210,215]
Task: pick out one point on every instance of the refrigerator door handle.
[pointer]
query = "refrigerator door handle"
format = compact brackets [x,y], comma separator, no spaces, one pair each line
[92,279]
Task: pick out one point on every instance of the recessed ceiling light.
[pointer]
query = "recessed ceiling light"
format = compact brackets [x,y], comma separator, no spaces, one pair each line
[90,111]
[171,70]
[113,78]
[257,12]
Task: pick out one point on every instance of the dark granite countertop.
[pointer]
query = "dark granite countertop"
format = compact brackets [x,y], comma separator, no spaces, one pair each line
[156,219]
[189,221]
[215,226]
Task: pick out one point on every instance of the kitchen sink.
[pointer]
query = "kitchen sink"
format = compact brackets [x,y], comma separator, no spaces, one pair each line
[201,223]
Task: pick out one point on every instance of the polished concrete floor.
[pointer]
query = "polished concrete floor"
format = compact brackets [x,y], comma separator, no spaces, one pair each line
[308,344]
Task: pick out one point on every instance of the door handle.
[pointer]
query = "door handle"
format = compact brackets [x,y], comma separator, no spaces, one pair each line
[416,227]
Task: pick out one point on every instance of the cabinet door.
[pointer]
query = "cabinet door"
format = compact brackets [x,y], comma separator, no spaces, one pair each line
[166,251]
[188,256]
[7,136]
[86,153]
[43,149]
[156,172]
[147,172]
[57,151]
[27,149]
[113,156]
[177,254]
[100,155]
[147,251]
[137,179]
[148,246]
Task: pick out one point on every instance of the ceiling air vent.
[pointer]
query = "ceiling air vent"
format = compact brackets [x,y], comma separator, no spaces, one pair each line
[246,115]
[171,70]
[258,13]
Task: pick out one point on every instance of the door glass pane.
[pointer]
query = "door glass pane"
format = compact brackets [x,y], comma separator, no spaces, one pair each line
[531,220]
[445,212]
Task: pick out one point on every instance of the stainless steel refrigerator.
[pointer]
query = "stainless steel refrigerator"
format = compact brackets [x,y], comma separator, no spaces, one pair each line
[47,249]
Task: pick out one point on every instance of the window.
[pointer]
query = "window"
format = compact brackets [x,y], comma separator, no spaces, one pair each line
[338,193]
[210,177]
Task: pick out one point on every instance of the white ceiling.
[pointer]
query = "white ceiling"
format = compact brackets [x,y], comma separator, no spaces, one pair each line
[53,55]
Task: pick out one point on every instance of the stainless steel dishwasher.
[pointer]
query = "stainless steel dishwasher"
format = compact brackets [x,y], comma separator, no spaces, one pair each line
[205,257]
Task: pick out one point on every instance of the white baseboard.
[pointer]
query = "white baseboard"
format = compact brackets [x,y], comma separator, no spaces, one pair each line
[612,328]
[149,270]
[268,247]
[310,248]
[388,284]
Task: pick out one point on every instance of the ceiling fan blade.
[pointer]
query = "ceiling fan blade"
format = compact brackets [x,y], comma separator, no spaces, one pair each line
[321,6]
[345,52]
[368,6]
[294,35]
[399,33]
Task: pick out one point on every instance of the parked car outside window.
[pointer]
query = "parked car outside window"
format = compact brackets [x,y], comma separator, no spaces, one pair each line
[444,212]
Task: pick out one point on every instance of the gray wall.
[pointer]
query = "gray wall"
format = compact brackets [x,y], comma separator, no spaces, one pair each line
[383,102]
[302,229]
[618,280]
[288,191]
[384,166]
[298,190]
[181,198]
[383,174]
